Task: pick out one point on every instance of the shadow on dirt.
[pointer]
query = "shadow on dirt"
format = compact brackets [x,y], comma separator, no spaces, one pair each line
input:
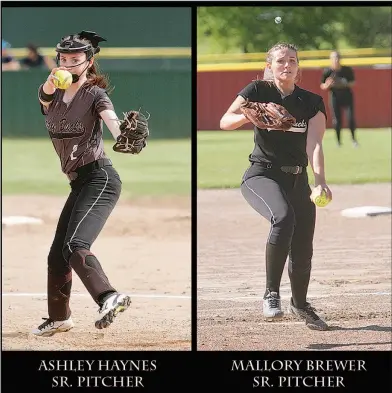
[331,346]
[373,328]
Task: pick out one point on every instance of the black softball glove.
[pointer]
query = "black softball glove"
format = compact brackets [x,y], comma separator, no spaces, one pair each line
[134,132]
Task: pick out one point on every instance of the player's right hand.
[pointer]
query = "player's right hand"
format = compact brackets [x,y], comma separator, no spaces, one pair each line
[329,82]
[319,189]
[52,76]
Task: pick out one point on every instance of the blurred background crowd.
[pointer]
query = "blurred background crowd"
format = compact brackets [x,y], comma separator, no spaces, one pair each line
[31,59]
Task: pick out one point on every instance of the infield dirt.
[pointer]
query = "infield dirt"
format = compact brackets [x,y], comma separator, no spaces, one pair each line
[350,283]
[145,250]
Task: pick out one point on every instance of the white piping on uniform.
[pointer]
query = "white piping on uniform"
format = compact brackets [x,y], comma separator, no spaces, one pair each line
[272,214]
[88,211]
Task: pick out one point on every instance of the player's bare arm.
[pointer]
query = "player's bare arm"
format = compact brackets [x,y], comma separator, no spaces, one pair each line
[314,150]
[327,84]
[112,122]
[233,118]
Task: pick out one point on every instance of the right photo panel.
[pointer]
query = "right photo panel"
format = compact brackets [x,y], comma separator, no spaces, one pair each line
[294,179]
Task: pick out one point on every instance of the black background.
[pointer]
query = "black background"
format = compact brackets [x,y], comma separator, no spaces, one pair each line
[188,372]
[193,371]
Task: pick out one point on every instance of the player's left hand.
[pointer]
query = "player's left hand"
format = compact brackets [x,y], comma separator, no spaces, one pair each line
[134,132]
[267,115]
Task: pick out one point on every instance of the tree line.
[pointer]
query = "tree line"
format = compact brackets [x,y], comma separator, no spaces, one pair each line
[253,29]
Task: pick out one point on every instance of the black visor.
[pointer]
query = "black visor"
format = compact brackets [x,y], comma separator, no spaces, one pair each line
[69,45]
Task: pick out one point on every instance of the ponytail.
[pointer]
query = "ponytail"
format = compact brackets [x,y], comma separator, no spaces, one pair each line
[95,78]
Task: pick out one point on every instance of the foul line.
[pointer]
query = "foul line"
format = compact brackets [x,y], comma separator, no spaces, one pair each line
[289,296]
[162,296]
[157,296]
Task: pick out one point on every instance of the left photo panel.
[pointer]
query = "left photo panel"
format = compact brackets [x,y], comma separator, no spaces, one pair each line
[96,178]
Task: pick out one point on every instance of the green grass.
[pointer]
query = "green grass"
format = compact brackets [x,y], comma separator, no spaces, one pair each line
[223,157]
[163,168]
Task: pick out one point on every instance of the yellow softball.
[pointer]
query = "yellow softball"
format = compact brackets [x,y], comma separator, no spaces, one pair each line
[62,79]
[321,200]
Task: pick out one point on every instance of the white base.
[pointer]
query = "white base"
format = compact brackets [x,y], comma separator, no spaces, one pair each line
[366,211]
[20,220]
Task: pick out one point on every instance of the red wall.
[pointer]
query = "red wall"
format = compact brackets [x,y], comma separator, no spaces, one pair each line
[372,94]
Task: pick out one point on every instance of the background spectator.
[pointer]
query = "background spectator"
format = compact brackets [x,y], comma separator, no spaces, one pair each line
[8,63]
[34,59]
[339,80]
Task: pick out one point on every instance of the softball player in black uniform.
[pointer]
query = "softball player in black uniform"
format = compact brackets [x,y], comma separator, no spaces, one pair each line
[74,118]
[276,183]
[338,80]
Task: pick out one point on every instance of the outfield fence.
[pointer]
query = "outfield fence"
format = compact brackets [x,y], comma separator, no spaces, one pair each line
[167,96]
[305,55]
[216,90]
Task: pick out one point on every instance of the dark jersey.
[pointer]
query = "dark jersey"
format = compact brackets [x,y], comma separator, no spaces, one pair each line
[283,148]
[6,59]
[76,128]
[345,73]
[38,62]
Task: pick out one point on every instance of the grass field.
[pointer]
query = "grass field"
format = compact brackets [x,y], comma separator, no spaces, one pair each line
[162,169]
[222,157]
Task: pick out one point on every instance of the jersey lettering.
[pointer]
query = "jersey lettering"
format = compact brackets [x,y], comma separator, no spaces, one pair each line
[300,126]
[75,147]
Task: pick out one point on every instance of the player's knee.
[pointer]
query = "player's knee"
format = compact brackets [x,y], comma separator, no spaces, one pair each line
[67,252]
[301,265]
[283,228]
[53,258]
[286,220]
[71,247]
[77,258]
[57,265]
[301,259]
[84,258]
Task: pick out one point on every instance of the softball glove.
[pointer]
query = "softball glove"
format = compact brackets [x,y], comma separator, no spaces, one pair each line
[267,115]
[134,132]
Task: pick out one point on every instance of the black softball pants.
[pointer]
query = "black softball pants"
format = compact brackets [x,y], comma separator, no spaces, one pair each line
[284,200]
[93,196]
[338,106]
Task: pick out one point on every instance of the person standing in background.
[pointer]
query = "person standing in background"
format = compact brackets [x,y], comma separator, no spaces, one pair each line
[35,60]
[339,80]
